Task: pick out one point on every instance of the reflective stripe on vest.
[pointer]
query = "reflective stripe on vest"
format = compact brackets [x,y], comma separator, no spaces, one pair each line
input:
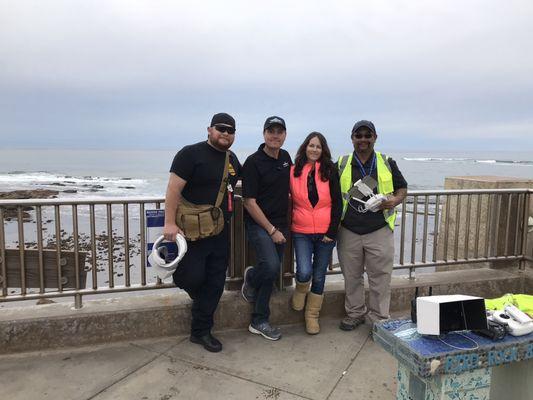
[385,183]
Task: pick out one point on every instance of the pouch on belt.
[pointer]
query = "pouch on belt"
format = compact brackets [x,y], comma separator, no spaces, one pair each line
[200,221]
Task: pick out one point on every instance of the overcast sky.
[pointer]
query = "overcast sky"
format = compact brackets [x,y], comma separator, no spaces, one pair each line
[454,75]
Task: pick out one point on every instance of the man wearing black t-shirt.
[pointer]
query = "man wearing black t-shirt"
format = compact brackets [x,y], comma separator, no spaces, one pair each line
[265,188]
[196,175]
[365,238]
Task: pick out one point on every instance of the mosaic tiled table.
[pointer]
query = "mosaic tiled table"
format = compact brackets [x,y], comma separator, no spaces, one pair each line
[458,365]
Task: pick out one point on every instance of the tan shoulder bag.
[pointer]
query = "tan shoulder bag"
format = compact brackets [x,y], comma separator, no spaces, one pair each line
[200,221]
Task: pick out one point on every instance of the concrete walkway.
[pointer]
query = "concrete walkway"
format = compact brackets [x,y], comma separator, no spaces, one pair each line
[331,365]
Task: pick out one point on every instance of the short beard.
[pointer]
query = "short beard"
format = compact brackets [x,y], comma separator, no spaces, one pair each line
[218,146]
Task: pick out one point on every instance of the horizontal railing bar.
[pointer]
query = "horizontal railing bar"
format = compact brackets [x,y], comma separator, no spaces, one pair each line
[86,292]
[466,191]
[459,261]
[285,275]
[154,199]
[451,262]
[83,202]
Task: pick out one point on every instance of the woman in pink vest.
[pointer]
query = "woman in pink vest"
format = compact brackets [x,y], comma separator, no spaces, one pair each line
[316,213]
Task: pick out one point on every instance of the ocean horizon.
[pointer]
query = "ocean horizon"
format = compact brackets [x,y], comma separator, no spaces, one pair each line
[118,173]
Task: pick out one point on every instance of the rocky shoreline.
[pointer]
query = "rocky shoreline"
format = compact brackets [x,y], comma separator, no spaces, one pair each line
[66,240]
[101,242]
[10,212]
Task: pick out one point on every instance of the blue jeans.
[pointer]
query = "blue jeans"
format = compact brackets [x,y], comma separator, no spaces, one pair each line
[312,259]
[268,257]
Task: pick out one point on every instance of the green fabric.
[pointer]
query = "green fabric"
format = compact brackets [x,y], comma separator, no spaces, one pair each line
[385,183]
[524,302]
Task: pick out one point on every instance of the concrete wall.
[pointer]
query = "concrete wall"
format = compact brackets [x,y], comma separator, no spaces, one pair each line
[155,315]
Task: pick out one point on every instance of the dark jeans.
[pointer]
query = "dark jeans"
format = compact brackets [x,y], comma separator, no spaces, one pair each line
[202,274]
[268,264]
[312,259]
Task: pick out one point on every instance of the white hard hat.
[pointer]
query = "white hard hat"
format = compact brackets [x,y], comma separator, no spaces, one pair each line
[161,268]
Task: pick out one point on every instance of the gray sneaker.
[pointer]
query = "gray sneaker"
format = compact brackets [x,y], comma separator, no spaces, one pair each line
[266,330]
[248,292]
[349,323]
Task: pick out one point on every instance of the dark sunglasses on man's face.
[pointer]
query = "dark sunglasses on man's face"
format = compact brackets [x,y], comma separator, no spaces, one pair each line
[228,129]
[367,135]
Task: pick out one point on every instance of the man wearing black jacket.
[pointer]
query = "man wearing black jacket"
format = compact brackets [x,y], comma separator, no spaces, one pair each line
[265,188]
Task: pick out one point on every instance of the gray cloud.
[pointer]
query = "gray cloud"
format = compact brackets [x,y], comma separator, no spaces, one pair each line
[140,73]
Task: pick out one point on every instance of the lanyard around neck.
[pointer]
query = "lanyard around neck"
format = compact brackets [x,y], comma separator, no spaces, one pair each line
[362,169]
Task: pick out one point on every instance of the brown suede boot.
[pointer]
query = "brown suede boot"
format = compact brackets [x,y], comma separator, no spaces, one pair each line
[298,296]
[312,312]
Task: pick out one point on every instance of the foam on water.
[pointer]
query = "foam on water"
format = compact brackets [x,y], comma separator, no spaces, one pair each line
[437,159]
[469,160]
[103,185]
[48,177]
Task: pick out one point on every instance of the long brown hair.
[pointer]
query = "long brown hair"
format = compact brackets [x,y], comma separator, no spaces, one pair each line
[326,165]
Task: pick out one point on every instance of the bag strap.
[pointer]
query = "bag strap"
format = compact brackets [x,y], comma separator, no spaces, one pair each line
[224,182]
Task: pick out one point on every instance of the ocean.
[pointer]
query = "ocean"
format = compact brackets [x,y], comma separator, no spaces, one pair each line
[115,173]
[110,173]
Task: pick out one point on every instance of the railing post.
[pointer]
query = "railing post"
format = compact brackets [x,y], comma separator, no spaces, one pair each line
[525,214]
[3,271]
[402,233]
[413,237]
[78,301]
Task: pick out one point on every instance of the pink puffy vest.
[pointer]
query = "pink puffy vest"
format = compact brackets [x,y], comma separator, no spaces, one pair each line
[305,218]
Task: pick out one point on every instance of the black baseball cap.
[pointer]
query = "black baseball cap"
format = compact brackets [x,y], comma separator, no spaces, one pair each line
[223,118]
[271,121]
[364,124]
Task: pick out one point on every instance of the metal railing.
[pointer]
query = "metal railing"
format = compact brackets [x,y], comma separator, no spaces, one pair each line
[105,242]
[467,227]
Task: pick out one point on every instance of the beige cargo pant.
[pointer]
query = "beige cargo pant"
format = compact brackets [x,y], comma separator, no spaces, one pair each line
[375,251]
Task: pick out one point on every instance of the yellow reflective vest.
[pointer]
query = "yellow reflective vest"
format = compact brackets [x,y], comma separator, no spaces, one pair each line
[385,183]
[523,302]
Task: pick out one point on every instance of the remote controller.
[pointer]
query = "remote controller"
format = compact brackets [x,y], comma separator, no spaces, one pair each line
[518,315]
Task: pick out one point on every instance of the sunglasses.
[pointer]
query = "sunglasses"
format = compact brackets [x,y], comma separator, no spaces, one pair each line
[227,129]
[367,135]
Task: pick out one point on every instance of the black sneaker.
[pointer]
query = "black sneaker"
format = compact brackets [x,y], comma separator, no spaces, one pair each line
[266,330]
[209,342]
[248,292]
[349,323]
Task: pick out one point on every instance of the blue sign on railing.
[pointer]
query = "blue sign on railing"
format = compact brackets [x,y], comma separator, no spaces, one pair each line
[155,221]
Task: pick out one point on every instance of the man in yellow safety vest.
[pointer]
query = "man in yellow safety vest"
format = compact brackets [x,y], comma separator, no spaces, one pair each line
[365,238]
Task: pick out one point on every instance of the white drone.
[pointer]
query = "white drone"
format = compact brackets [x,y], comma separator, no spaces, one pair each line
[365,188]
[157,258]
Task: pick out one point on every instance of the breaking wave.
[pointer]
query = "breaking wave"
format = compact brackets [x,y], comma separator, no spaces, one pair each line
[73,184]
[469,160]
